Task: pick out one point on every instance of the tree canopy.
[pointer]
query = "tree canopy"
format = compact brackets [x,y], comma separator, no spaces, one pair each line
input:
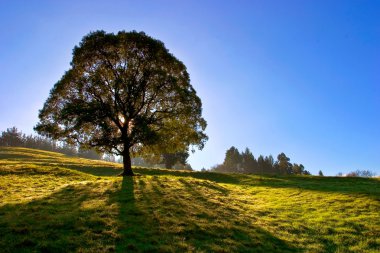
[124,93]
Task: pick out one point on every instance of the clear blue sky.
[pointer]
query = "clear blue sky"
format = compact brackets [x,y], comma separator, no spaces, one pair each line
[299,77]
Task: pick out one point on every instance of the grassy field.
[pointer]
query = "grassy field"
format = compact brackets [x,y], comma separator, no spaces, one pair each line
[53,203]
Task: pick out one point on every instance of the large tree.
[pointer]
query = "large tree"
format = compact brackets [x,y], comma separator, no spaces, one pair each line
[124,93]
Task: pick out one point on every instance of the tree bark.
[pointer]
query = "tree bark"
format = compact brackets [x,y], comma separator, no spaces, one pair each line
[127,164]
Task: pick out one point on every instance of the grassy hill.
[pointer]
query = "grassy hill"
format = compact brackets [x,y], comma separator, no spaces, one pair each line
[53,203]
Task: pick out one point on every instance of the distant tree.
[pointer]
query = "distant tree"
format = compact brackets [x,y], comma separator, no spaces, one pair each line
[140,161]
[186,166]
[283,164]
[68,149]
[31,141]
[248,162]
[340,174]
[89,154]
[269,165]
[261,165]
[245,162]
[352,174]
[170,159]
[361,173]
[11,138]
[297,169]
[15,138]
[219,168]
[320,173]
[124,93]
[39,142]
[233,160]
[366,173]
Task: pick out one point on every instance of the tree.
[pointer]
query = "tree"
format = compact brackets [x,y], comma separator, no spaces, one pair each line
[249,163]
[89,154]
[219,168]
[361,173]
[283,164]
[306,172]
[298,169]
[269,164]
[170,159]
[233,159]
[124,93]
[320,173]
[11,138]
[261,164]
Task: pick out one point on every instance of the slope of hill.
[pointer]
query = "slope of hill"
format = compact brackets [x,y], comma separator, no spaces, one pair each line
[53,203]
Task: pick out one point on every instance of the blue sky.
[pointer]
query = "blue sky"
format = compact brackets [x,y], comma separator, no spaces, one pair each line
[299,77]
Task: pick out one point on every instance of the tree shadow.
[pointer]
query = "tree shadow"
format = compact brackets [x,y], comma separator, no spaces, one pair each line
[159,215]
[95,170]
[71,219]
[358,186]
[211,176]
[369,187]
[139,214]
[138,231]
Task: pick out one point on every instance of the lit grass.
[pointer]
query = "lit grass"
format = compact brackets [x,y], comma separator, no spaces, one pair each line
[54,203]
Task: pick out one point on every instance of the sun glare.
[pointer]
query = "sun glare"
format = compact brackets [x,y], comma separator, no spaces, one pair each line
[121,119]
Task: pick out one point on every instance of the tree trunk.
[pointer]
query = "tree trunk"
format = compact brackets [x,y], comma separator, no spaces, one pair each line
[127,164]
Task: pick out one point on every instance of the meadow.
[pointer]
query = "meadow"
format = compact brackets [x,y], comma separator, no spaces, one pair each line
[50,202]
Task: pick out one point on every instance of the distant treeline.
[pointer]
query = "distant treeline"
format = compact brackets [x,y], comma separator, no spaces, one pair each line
[14,138]
[245,162]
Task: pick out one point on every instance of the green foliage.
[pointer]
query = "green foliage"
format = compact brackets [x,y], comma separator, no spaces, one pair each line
[320,173]
[124,93]
[53,203]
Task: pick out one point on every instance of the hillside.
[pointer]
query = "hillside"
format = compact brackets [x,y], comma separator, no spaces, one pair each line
[53,203]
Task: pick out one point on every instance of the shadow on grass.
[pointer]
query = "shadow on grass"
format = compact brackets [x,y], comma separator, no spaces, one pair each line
[215,177]
[138,231]
[72,219]
[358,186]
[349,185]
[95,169]
[16,157]
[157,215]
[139,214]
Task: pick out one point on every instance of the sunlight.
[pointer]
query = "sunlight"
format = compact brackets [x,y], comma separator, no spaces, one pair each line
[130,126]
[121,119]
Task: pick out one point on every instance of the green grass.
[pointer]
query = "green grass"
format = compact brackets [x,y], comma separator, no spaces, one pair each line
[53,203]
